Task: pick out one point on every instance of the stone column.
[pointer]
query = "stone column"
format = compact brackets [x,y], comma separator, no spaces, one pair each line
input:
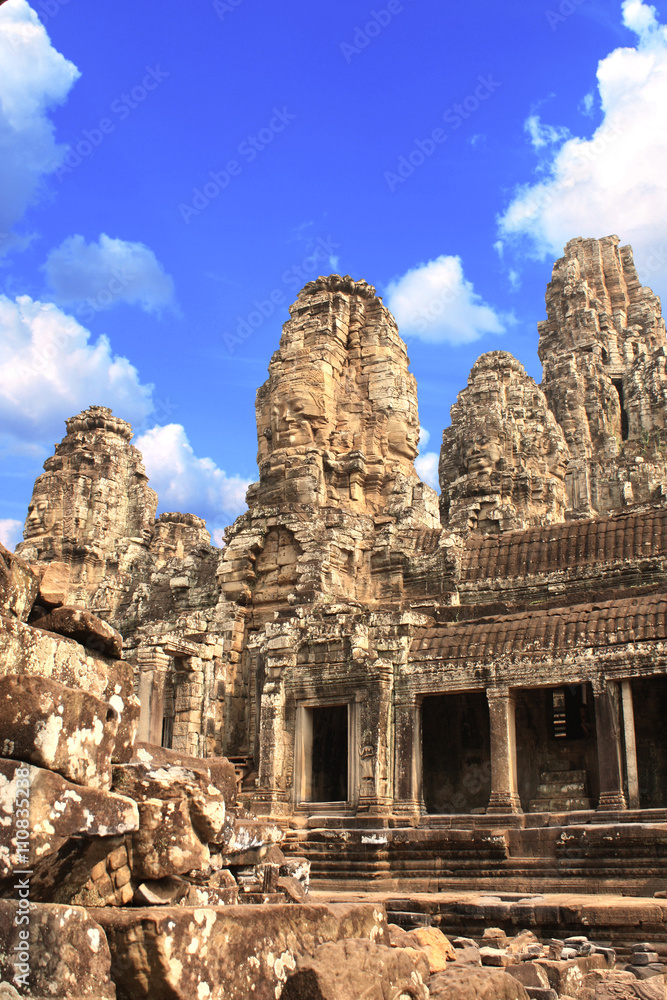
[630,745]
[408,798]
[502,720]
[275,756]
[153,665]
[610,760]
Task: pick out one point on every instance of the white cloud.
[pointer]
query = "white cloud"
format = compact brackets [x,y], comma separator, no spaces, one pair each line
[435,302]
[33,79]
[616,181]
[541,135]
[189,484]
[427,469]
[11,532]
[424,437]
[96,276]
[50,369]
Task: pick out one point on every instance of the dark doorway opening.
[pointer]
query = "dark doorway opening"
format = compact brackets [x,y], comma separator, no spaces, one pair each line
[456,751]
[557,763]
[650,711]
[329,761]
[169,710]
[618,385]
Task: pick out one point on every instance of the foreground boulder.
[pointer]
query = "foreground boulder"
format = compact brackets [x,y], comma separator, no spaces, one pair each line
[68,956]
[84,627]
[18,585]
[461,983]
[224,953]
[348,970]
[26,651]
[72,828]
[63,729]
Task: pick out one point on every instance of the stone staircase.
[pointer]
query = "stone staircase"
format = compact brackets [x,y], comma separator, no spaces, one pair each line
[561,789]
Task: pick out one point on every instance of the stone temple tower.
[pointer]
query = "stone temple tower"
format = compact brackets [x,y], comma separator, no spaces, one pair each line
[337,428]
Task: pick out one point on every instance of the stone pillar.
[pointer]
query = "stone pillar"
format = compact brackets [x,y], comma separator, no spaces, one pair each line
[610,760]
[630,745]
[275,742]
[502,720]
[408,798]
[153,666]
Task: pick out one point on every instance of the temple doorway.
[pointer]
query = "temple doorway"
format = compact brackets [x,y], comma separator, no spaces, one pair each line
[456,753]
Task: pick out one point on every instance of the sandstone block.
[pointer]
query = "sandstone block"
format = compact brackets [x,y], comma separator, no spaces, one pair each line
[71,828]
[54,585]
[58,728]
[26,650]
[347,970]
[529,974]
[84,627]
[68,958]
[205,803]
[224,953]
[460,983]
[435,945]
[166,843]
[18,585]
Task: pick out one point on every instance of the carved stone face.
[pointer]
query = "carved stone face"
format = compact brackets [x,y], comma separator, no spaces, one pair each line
[41,517]
[402,440]
[483,452]
[299,421]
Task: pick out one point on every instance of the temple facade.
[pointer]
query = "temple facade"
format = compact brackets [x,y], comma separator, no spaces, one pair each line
[367,651]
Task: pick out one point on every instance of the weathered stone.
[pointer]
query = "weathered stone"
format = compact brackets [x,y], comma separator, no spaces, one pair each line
[347,970]
[167,891]
[71,828]
[292,888]
[18,585]
[166,843]
[58,728]
[84,627]
[224,953]
[435,945]
[28,651]
[529,974]
[54,585]
[503,460]
[460,983]
[68,955]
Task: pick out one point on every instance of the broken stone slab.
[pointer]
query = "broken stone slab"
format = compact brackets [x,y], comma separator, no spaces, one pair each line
[58,728]
[167,891]
[565,976]
[292,888]
[248,835]
[206,804]
[166,842]
[68,956]
[26,650]
[461,983]
[496,957]
[347,970]
[18,585]
[84,627]
[529,974]
[54,585]
[219,771]
[651,989]
[224,952]
[434,944]
[298,868]
[71,828]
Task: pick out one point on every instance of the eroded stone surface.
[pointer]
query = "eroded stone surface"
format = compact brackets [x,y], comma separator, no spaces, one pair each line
[18,585]
[347,970]
[224,953]
[71,828]
[84,627]
[69,957]
[58,728]
[504,457]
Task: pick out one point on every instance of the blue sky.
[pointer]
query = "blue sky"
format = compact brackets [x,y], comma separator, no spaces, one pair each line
[168,183]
